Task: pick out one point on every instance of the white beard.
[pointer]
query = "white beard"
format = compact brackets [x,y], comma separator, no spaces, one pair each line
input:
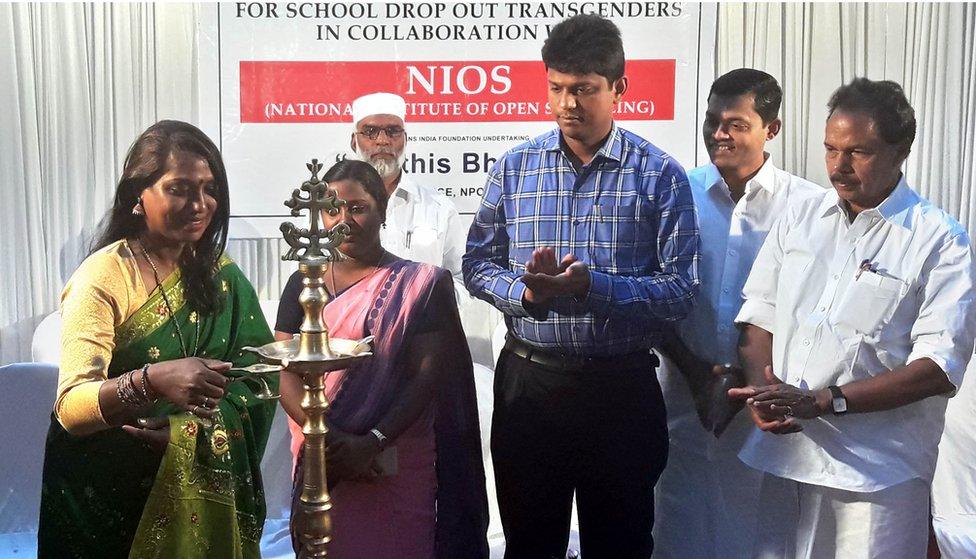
[386,168]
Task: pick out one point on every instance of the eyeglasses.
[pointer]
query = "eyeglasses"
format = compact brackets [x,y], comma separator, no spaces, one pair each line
[373,132]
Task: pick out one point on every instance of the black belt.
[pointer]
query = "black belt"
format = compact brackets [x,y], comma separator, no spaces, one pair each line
[577,363]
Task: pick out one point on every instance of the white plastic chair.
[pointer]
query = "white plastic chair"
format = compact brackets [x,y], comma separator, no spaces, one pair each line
[276,473]
[27,392]
[46,343]
[270,309]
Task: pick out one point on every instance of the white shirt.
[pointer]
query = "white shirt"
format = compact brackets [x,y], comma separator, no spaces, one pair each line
[832,325]
[954,484]
[731,235]
[424,226]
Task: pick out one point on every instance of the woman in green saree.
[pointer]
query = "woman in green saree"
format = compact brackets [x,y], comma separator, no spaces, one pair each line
[155,443]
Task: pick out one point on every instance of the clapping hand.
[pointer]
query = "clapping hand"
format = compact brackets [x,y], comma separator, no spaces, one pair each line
[546,278]
[715,409]
[775,407]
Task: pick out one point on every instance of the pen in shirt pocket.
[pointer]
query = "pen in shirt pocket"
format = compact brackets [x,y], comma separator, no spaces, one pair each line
[407,240]
[865,267]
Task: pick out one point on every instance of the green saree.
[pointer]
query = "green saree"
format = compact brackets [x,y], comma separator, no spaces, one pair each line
[109,495]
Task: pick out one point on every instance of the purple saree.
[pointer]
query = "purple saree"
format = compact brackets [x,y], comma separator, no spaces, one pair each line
[435,505]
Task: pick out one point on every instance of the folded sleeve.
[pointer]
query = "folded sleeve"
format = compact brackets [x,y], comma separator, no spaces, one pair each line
[944,330]
[759,291]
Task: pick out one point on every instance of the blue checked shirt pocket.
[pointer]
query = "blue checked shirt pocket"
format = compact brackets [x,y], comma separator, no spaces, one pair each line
[622,239]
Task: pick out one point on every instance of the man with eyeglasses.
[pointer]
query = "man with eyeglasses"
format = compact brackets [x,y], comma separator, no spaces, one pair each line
[421,224]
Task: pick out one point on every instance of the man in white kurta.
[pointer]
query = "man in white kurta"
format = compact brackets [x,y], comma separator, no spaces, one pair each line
[421,223]
[706,499]
[857,325]
[954,485]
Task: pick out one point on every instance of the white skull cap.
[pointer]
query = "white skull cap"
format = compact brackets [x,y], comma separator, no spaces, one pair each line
[378,104]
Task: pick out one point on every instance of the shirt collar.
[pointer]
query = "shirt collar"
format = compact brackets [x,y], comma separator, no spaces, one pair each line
[894,209]
[713,178]
[612,148]
[764,178]
[406,188]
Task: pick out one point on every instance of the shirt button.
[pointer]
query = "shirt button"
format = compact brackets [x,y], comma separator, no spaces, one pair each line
[731,253]
[806,342]
[836,276]
[822,309]
[726,290]
[576,222]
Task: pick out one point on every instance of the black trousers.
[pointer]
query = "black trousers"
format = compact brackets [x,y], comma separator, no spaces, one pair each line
[601,434]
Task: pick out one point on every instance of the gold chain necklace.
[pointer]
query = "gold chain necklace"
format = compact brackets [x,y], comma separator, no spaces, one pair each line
[179,331]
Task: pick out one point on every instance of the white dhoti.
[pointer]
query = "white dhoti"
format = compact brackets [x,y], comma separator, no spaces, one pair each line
[705,508]
[956,535]
[802,521]
[706,501]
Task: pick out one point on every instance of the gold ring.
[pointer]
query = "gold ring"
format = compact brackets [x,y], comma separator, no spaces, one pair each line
[206,401]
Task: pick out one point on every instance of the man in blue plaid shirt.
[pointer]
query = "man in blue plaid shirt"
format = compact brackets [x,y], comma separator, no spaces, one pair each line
[587,241]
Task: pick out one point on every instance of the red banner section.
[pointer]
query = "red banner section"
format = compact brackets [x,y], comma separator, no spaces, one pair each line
[452,91]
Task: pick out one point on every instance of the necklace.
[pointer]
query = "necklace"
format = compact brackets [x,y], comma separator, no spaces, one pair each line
[169,308]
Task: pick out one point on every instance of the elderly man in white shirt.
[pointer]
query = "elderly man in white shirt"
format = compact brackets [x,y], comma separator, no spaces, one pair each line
[706,499]
[421,223]
[858,324]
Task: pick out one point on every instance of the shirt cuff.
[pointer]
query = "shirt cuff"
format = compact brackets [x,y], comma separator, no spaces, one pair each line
[600,292]
[523,308]
[757,313]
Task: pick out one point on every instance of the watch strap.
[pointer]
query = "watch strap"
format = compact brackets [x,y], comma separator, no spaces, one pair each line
[835,395]
[379,436]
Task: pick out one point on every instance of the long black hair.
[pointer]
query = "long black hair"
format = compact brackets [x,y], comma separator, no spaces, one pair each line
[145,163]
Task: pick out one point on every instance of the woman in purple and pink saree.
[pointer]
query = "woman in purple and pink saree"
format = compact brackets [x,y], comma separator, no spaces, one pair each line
[403,453]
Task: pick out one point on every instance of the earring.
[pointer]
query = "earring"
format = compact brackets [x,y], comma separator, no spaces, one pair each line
[137,209]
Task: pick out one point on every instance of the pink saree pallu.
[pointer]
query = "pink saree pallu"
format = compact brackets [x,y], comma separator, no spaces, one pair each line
[435,504]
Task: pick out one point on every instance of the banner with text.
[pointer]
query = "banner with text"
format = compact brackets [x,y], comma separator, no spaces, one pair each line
[470,72]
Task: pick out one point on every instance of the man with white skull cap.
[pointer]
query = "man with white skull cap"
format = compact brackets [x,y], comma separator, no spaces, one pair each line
[421,224]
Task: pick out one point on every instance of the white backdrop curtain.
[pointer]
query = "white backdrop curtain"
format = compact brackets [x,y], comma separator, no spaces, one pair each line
[78,82]
[812,48]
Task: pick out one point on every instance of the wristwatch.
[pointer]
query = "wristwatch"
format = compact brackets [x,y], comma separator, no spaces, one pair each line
[837,400]
[380,437]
